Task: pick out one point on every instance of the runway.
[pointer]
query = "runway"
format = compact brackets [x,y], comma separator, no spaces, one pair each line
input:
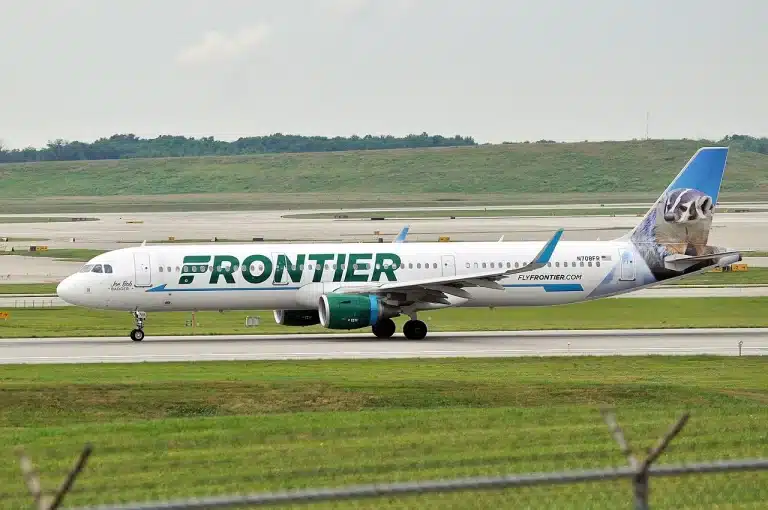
[723,341]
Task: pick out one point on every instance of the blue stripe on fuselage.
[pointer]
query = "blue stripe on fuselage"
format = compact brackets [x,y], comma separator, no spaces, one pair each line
[548,287]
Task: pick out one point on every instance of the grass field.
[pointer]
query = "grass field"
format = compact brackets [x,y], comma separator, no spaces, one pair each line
[601,314]
[513,173]
[78,254]
[179,430]
[42,219]
[753,276]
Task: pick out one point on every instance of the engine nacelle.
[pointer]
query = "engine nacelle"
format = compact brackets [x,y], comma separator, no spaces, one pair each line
[351,311]
[297,317]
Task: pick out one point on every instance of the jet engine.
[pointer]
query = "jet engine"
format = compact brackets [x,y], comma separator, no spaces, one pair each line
[352,311]
[297,317]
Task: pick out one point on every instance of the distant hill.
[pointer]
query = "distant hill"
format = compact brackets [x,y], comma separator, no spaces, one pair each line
[511,168]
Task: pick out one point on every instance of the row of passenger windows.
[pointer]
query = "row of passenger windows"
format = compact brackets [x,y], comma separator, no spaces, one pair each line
[418,265]
[509,265]
[96,268]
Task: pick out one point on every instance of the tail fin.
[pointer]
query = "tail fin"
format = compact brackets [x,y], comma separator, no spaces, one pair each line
[680,220]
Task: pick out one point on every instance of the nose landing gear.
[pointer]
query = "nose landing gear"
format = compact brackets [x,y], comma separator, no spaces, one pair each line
[137,335]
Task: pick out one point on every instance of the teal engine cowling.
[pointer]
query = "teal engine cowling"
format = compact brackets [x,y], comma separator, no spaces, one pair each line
[352,311]
[297,317]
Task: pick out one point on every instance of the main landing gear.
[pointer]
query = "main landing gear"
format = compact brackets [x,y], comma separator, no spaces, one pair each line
[412,329]
[137,335]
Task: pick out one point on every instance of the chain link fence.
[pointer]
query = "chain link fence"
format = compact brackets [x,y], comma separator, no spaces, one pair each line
[640,483]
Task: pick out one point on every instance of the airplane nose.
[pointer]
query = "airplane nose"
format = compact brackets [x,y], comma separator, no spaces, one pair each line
[65,290]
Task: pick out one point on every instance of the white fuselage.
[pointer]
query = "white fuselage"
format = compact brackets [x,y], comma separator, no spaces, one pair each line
[251,276]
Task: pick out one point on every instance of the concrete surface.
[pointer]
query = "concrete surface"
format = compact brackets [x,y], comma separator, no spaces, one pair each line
[736,230]
[356,346]
[739,230]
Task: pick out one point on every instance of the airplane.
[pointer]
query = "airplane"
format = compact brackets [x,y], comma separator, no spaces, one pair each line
[347,286]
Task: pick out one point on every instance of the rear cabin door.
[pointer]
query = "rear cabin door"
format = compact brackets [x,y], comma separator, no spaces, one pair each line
[143,269]
[627,272]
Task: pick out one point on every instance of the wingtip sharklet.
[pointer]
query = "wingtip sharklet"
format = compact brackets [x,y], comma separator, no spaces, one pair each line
[546,252]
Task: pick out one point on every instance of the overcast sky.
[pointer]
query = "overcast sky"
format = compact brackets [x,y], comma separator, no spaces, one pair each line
[498,70]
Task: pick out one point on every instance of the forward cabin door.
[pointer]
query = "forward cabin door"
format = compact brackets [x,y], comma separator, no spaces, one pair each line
[449,265]
[281,276]
[143,269]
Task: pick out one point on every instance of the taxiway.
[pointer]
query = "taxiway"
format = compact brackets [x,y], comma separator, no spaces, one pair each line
[726,341]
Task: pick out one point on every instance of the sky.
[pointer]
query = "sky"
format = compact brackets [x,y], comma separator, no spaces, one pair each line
[497,70]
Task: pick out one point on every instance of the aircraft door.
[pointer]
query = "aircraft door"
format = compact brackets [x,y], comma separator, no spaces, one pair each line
[280,276]
[449,265]
[143,269]
[627,270]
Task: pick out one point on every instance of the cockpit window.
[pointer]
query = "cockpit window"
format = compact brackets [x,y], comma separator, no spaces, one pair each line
[96,268]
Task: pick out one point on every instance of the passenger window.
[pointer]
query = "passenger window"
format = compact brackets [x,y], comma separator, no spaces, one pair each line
[557,264]
[517,264]
[493,264]
[597,263]
[509,264]
[467,265]
[589,264]
[434,265]
[160,269]
[581,263]
[107,268]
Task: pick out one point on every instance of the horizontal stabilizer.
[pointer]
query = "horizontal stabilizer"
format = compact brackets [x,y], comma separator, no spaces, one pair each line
[680,262]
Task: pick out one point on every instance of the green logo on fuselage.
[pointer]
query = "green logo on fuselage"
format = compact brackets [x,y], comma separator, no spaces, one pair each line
[255,269]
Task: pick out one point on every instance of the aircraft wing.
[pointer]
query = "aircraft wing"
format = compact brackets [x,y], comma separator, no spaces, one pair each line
[401,236]
[435,289]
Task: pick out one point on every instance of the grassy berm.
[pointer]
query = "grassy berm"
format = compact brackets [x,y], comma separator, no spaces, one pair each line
[181,430]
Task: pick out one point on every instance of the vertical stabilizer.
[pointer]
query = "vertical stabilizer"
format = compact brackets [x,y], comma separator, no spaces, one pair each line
[680,220]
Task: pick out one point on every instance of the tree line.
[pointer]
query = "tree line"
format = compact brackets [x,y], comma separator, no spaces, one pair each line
[121,146]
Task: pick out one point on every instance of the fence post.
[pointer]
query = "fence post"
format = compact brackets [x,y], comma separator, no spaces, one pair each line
[640,482]
[30,474]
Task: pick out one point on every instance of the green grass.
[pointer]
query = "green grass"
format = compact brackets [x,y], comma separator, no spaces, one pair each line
[27,288]
[753,276]
[513,173]
[600,314]
[42,219]
[75,254]
[178,430]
